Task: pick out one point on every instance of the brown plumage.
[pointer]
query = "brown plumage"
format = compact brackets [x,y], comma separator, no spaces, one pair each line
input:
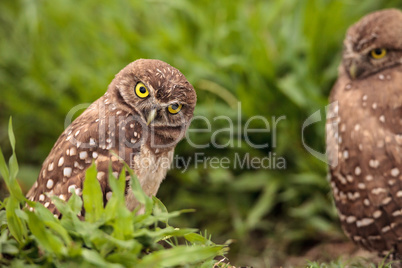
[142,116]
[364,133]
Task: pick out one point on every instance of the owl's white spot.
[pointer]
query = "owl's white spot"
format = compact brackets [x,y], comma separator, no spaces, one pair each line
[349,178]
[348,86]
[42,197]
[342,179]
[350,219]
[78,144]
[394,172]
[360,147]
[100,175]
[374,105]
[358,171]
[97,120]
[374,163]
[118,112]
[378,190]
[396,213]
[69,137]
[31,209]
[364,222]
[94,155]
[345,154]
[377,214]
[357,127]
[50,166]
[92,142]
[386,229]
[366,202]
[353,196]
[44,173]
[108,195]
[61,161]
[399,194]
[62,197]
[49,184]
[361,186]
[71,188]
[364,98]
[135,133]
[36,184]
[386,200]
[380,143]
[68,152]
[133,141]
[109,146]
[78,191]
[67,171]
[46,204]
[108,140]
[131,125]
[69,132]
[83,155]
[76,133]
[381,77]
[382,118]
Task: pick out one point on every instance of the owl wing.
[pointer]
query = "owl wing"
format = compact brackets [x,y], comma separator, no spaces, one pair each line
[101,134]
[366,182]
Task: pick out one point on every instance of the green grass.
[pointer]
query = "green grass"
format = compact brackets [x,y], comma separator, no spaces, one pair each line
[110,236]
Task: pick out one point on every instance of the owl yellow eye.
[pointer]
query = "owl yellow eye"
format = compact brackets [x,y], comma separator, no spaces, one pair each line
[378,53]
[141,90]
[174,108]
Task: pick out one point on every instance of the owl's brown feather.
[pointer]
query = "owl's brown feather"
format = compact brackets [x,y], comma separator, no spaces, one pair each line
[114,130]
[367,181]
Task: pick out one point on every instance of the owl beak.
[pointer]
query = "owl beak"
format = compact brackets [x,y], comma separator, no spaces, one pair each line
[354,70]
[151,116]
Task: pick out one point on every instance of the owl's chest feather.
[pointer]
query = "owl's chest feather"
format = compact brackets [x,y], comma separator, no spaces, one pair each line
[150,169]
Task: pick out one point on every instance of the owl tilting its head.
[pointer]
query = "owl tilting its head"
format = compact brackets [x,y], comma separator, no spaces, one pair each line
[364,133]
[139,120]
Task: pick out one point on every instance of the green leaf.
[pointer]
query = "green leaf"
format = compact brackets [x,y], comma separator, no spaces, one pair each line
[181,255]
[45,238]
[15,225]
[95,258]
[139,194]
[92,195]
[75,203]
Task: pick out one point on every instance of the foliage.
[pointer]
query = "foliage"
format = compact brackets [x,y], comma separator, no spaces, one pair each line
[110,236]
[278,58]
[356,263]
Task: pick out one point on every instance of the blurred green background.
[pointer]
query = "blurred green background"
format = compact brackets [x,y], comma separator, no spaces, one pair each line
[278,58]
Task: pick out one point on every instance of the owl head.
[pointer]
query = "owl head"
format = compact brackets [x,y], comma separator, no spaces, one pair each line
[160,98]
[373,44]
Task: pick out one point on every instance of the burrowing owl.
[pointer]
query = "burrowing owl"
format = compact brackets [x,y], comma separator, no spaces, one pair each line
[365,149]
[141,117]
